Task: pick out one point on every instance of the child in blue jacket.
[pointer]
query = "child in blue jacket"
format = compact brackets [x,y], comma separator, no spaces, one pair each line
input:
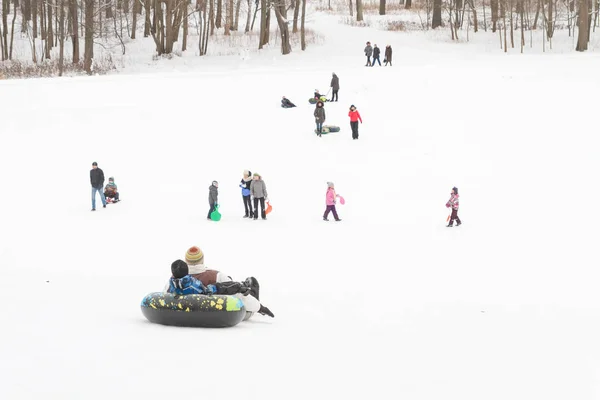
[182,283]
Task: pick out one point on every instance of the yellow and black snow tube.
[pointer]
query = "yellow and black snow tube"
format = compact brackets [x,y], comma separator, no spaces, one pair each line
[195,310]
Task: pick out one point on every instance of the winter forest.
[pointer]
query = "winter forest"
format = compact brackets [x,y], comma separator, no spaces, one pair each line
[49,37]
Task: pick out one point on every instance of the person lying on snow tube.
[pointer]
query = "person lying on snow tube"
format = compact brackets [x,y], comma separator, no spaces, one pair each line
[110,191]
[194,259]
[319,97]
[286,103]
[182,283]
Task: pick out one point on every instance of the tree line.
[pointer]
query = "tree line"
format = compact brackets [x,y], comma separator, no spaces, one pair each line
[59,22]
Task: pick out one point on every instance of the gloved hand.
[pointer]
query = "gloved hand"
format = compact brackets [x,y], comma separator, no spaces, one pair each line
[228,288]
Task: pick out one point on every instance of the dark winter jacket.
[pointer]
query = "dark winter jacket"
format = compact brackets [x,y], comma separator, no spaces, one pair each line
[388,53]
[335,82]
[97,178]
[286,103]
[376,52]
[213,194]
[320,114]
[245,185]
[368,51]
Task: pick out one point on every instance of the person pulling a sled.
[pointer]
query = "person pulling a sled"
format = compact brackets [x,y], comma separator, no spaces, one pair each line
[453,202]
[213,198]
[110,191]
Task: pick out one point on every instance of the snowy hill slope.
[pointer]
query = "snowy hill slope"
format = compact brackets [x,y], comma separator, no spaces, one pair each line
[387,303]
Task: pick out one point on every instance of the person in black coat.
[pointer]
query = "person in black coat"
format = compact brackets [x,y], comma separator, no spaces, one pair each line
[286,103]
[213,198]
[376,53]
[335,86]
[97,181]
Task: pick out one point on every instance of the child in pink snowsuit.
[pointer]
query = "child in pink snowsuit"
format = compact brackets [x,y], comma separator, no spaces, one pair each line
[453,202]
[330,200]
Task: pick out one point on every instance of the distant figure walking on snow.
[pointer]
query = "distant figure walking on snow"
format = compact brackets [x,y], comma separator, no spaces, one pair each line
[335,86]
[376,53]
[330,200]
[319,117]
[388,55]
[258,190]
[368,53]
[213,198]
[354,118]
[97,181]
[453,202]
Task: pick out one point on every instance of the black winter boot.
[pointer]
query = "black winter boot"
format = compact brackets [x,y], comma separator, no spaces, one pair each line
[265,311]
[450,224]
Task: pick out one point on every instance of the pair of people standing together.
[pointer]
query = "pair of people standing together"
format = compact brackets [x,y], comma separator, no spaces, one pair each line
[253,187]
[353,114]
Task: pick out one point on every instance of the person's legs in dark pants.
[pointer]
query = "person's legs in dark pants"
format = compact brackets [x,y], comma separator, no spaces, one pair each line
[116,196]
[454,216]
[212,208]
[255,208]
[262,208]
[326,214]
[334,97]
[368,61]
[247,206]
[354,126]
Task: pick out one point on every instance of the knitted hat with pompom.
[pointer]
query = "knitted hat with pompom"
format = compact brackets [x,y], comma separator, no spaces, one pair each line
[194,256]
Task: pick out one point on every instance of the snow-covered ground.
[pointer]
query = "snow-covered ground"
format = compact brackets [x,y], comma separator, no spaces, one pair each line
[386,304]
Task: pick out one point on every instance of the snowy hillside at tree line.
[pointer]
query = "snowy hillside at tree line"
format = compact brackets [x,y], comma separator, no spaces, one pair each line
[388,303]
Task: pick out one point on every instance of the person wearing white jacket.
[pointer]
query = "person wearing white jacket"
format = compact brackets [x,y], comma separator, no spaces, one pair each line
[194,258]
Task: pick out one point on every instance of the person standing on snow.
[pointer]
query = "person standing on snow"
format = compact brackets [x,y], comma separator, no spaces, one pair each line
[453,202]
[258,190]
[368,53]
[97,181]
[376,53]
[354,118]
[213,197]
[335,86]
[388,55]
[245,185]
[319,117]
[330,200]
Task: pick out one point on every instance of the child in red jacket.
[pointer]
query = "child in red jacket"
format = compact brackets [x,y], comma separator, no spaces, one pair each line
[354,118]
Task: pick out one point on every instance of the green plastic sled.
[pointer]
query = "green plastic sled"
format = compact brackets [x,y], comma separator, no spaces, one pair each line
[215,215]
[324,131]
[312,100]
[331,128]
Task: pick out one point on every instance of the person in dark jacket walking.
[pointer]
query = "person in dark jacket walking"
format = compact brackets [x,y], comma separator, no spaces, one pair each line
[97,181]
[258,190]
[388,55]
[245,185]
[453,203]
[319,117]
[213,197]
[335,86]
[376,53]
[368,53]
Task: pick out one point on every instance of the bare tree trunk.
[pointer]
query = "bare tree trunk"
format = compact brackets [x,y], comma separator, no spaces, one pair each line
[494,7]
[248,17]
[136,8]
[5,11]
[184,12]
[236,20]
[108,6]
[381,7]
[26,15]
[264,27]
[50,33]
[359,10]
[88,54]
[211,15]
[504,26]
[286,48]
[302,32]
[436,19]
[408,4]
[219,17]
[147,21]
[537,14]
[34,15]
[583,26]
[512,29]
[61,33]
[351,8]
[228,16]
[550,22]
[75,30]
[12,29]
[296,13]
